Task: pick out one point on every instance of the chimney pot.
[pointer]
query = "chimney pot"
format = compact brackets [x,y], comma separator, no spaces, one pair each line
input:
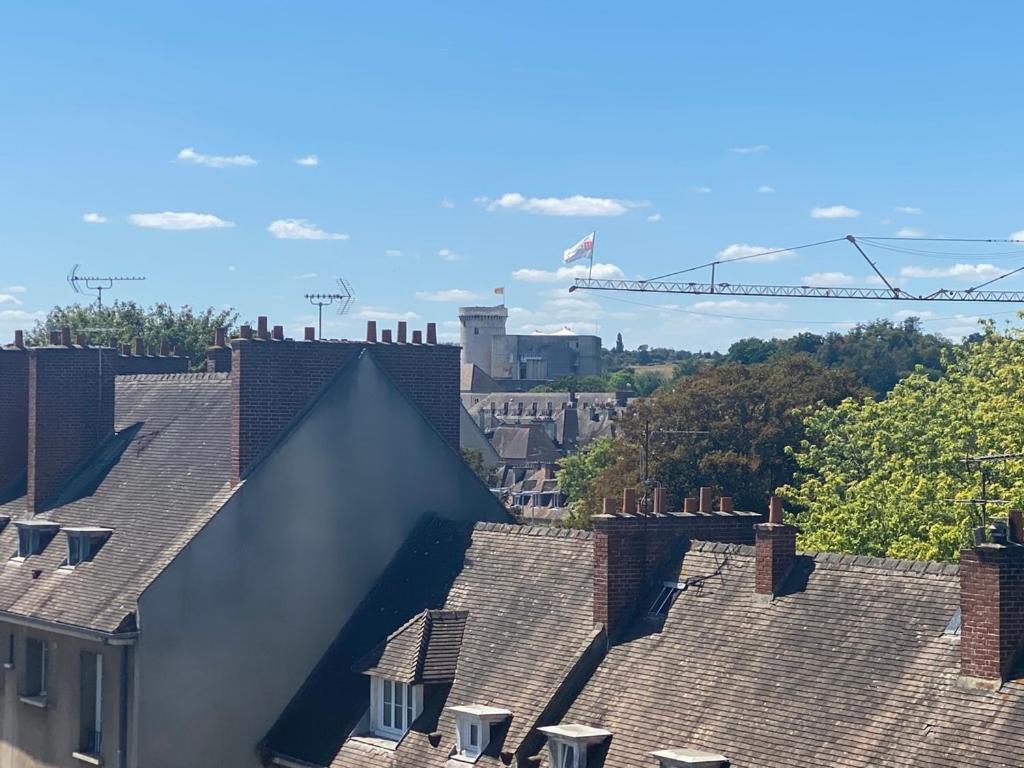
[775,510]
[725,504]
[19,339]
[138,349]
[371,331]
[218,337]
[245,331]
[705,499]
[607,505]
[278,333]
[629,501]
[690,505]
[660,496]
[1015,520]
[309,333]
[402,326]
[385,336]
[65,336]
[81,340]
[417,337]
[177,350]
[431,333]
[261,327]
[54,338]
[165,348]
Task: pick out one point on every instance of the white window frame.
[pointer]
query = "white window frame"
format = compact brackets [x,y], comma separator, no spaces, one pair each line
[558,753]
[383,691]
[464,725]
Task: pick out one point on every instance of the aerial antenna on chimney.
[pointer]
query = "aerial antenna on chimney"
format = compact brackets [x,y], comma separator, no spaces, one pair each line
[984,465]
[85,285]
[342,298]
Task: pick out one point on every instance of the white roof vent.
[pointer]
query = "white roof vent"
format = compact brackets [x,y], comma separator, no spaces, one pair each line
[689,758]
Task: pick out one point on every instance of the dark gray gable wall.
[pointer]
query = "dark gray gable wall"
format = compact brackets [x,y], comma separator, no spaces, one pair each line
[234,625]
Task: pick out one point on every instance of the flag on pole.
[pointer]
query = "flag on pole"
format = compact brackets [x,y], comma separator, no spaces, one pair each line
[500,290]
[584,249]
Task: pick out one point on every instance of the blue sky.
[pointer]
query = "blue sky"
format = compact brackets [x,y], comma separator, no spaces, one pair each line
[451,140]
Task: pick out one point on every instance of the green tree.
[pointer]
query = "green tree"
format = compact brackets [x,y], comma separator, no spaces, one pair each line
[122,321]
[576,475]
[619,347]
[745,415]
[877,478]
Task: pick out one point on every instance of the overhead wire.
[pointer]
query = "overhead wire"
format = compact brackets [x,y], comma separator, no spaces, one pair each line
[759,254]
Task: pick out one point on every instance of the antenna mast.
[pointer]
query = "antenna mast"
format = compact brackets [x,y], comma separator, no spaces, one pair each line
[83,284]
[343,298]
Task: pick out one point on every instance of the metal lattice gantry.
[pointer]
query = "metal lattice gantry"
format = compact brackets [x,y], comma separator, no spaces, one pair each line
[888,293]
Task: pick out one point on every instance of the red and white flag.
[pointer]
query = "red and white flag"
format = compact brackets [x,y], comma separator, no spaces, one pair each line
[500,290]
[584,249]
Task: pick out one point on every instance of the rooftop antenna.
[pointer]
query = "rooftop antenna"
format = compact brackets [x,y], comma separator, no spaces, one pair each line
[343,298]
[85,284]
[649,482]
[984,464]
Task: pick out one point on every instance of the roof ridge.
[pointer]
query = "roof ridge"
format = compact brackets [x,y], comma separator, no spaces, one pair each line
[533,530]
[186,376]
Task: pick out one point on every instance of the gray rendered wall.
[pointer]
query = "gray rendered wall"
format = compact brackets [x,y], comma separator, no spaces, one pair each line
[479,326]
[562,355]
[230,630]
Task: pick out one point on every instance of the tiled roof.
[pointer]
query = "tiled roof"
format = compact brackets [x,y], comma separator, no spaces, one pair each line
[159,479]
[524,443]
[528,594]
[424,650]
[850,667]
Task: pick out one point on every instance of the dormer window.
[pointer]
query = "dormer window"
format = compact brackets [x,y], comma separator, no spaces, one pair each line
[34,535]
[689,758]
[568,744]
[394,706]
[84,543]
[473,729]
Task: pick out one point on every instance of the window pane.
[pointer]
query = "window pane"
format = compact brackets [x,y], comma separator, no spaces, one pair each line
[399,706]
[474,735]
[408,707]
[89,739]
[388,702]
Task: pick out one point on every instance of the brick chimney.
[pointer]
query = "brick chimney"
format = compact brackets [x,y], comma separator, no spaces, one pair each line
[630,550]
[273,380]
[991,612]
[70,412]
[775,550]
[218,356]
[13,412]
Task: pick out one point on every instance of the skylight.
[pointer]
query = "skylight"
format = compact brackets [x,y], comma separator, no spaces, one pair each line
[666,597]
[953,627]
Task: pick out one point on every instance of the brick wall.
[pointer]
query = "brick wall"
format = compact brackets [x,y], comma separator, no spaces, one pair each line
[70,412]
[992,610]
[218,359]
[13,414]
[272,381]
[134,364]
[775,553]
[629,549]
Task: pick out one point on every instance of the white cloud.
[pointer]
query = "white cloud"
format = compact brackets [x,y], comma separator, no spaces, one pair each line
[393,253]
[304,276]
[654,217]
[15,289]
[701,190]
[577,205]
[189,155]
[911,209]
[232,267]
[452,294]
[960,271]
[447,254]
[903,314]
[600,272]
[834,212]
[309,161]
[179,220]
[9,298]
[377,313]
[301,229]
[94,218]
[743,250]
[446,203]
[766,189]
[1018,235]
[752,150]
[732,305]
[910,232]
[827,279]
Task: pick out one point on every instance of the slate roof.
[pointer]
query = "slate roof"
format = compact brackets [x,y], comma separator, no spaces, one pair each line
[473,378]
[528,595]
[155,483]
[424,650]
[850,668]
[526,443]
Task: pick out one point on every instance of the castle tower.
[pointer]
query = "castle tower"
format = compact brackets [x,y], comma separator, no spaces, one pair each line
[479,326]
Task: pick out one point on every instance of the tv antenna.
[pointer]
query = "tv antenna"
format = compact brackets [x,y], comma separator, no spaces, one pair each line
[890,292]
[84,285]
[984,465]
[343,298]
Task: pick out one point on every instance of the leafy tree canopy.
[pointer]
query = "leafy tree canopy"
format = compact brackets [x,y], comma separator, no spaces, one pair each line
[876,478]
[745,415]
[122,321]
[576,474]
